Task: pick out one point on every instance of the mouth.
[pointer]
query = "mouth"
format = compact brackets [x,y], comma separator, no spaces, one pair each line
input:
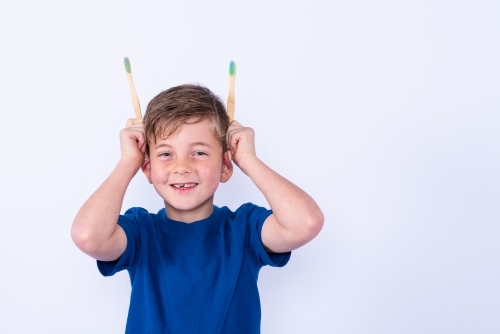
[184,185]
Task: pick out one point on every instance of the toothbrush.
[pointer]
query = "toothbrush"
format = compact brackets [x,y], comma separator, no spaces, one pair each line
[133,93]
[230,97]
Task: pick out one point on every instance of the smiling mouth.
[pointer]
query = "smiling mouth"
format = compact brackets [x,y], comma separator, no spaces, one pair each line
[184,185]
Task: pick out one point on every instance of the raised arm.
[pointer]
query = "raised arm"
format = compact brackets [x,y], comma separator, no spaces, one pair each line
[296,217]
[95,230]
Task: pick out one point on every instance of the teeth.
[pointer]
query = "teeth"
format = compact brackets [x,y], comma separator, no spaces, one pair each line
[187,185]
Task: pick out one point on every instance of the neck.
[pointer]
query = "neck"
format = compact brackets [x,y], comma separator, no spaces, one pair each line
[190,215]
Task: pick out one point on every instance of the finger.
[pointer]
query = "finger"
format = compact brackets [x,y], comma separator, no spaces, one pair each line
[138,135]
[142,146]
[233,141]
[233,128]
[141,141]
[130,122]
[234,125]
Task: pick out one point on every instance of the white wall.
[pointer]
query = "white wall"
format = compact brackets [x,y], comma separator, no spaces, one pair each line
[386,112]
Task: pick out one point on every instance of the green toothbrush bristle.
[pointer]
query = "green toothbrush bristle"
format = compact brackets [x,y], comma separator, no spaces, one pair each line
[126,62]
[232,68]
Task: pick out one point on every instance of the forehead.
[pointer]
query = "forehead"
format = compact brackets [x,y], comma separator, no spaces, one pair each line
[189,133]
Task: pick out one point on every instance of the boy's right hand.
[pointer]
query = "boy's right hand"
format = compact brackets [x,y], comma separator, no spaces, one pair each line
[133,143]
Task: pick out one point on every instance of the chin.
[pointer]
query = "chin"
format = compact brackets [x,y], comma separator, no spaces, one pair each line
[186,206]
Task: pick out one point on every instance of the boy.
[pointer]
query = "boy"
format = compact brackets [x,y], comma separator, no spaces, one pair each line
[193,266]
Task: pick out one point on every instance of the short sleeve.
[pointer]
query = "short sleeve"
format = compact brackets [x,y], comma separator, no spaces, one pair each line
[256,217]
[129,222]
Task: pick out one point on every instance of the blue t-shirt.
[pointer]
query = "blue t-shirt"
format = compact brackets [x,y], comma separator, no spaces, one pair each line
[194,278]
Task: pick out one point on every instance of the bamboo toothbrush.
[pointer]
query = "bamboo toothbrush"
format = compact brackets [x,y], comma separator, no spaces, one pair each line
[230,97]
[133,93]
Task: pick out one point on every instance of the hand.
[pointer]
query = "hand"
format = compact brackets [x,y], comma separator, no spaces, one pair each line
[241,143]
[133,142]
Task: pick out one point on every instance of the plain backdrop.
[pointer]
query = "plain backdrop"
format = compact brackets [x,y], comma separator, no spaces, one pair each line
[386,112]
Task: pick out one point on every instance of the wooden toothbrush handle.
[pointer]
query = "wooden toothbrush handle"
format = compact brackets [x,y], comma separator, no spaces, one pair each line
[230,106]
[135,98]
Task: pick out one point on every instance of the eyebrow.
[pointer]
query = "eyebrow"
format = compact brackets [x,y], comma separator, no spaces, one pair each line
[198,143]
[201,143]
[162,145]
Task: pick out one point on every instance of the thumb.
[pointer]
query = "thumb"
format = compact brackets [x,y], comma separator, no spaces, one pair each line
[132,121]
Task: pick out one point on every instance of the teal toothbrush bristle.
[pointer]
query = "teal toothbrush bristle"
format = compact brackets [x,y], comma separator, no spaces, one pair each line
[126,62]
[232,68]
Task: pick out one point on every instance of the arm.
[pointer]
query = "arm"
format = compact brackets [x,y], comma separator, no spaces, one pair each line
[296,217]
[95,230]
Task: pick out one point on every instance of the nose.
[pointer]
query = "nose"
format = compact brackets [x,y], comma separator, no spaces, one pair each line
[182,166]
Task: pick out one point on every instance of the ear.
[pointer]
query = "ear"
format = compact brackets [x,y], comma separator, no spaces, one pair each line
[146,169]
[227,168]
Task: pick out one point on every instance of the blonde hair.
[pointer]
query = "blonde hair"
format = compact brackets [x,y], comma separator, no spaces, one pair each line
[185,104]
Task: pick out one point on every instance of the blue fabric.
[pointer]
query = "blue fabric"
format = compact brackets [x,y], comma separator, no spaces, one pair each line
[194,278]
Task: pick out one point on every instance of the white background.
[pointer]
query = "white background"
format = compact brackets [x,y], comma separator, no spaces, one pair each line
[386,112]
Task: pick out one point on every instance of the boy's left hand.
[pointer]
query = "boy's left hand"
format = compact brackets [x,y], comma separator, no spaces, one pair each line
[241,143]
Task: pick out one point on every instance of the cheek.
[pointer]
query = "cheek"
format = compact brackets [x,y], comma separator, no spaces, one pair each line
[157,175]
[212,174]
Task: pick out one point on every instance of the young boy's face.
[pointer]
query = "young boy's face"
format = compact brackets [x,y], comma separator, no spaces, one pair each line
[186,169]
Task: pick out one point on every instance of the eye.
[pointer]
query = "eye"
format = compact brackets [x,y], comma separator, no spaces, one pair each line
[164,154]
[200,153]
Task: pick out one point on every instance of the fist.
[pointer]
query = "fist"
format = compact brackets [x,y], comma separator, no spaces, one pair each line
[133,142]
[241,142]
